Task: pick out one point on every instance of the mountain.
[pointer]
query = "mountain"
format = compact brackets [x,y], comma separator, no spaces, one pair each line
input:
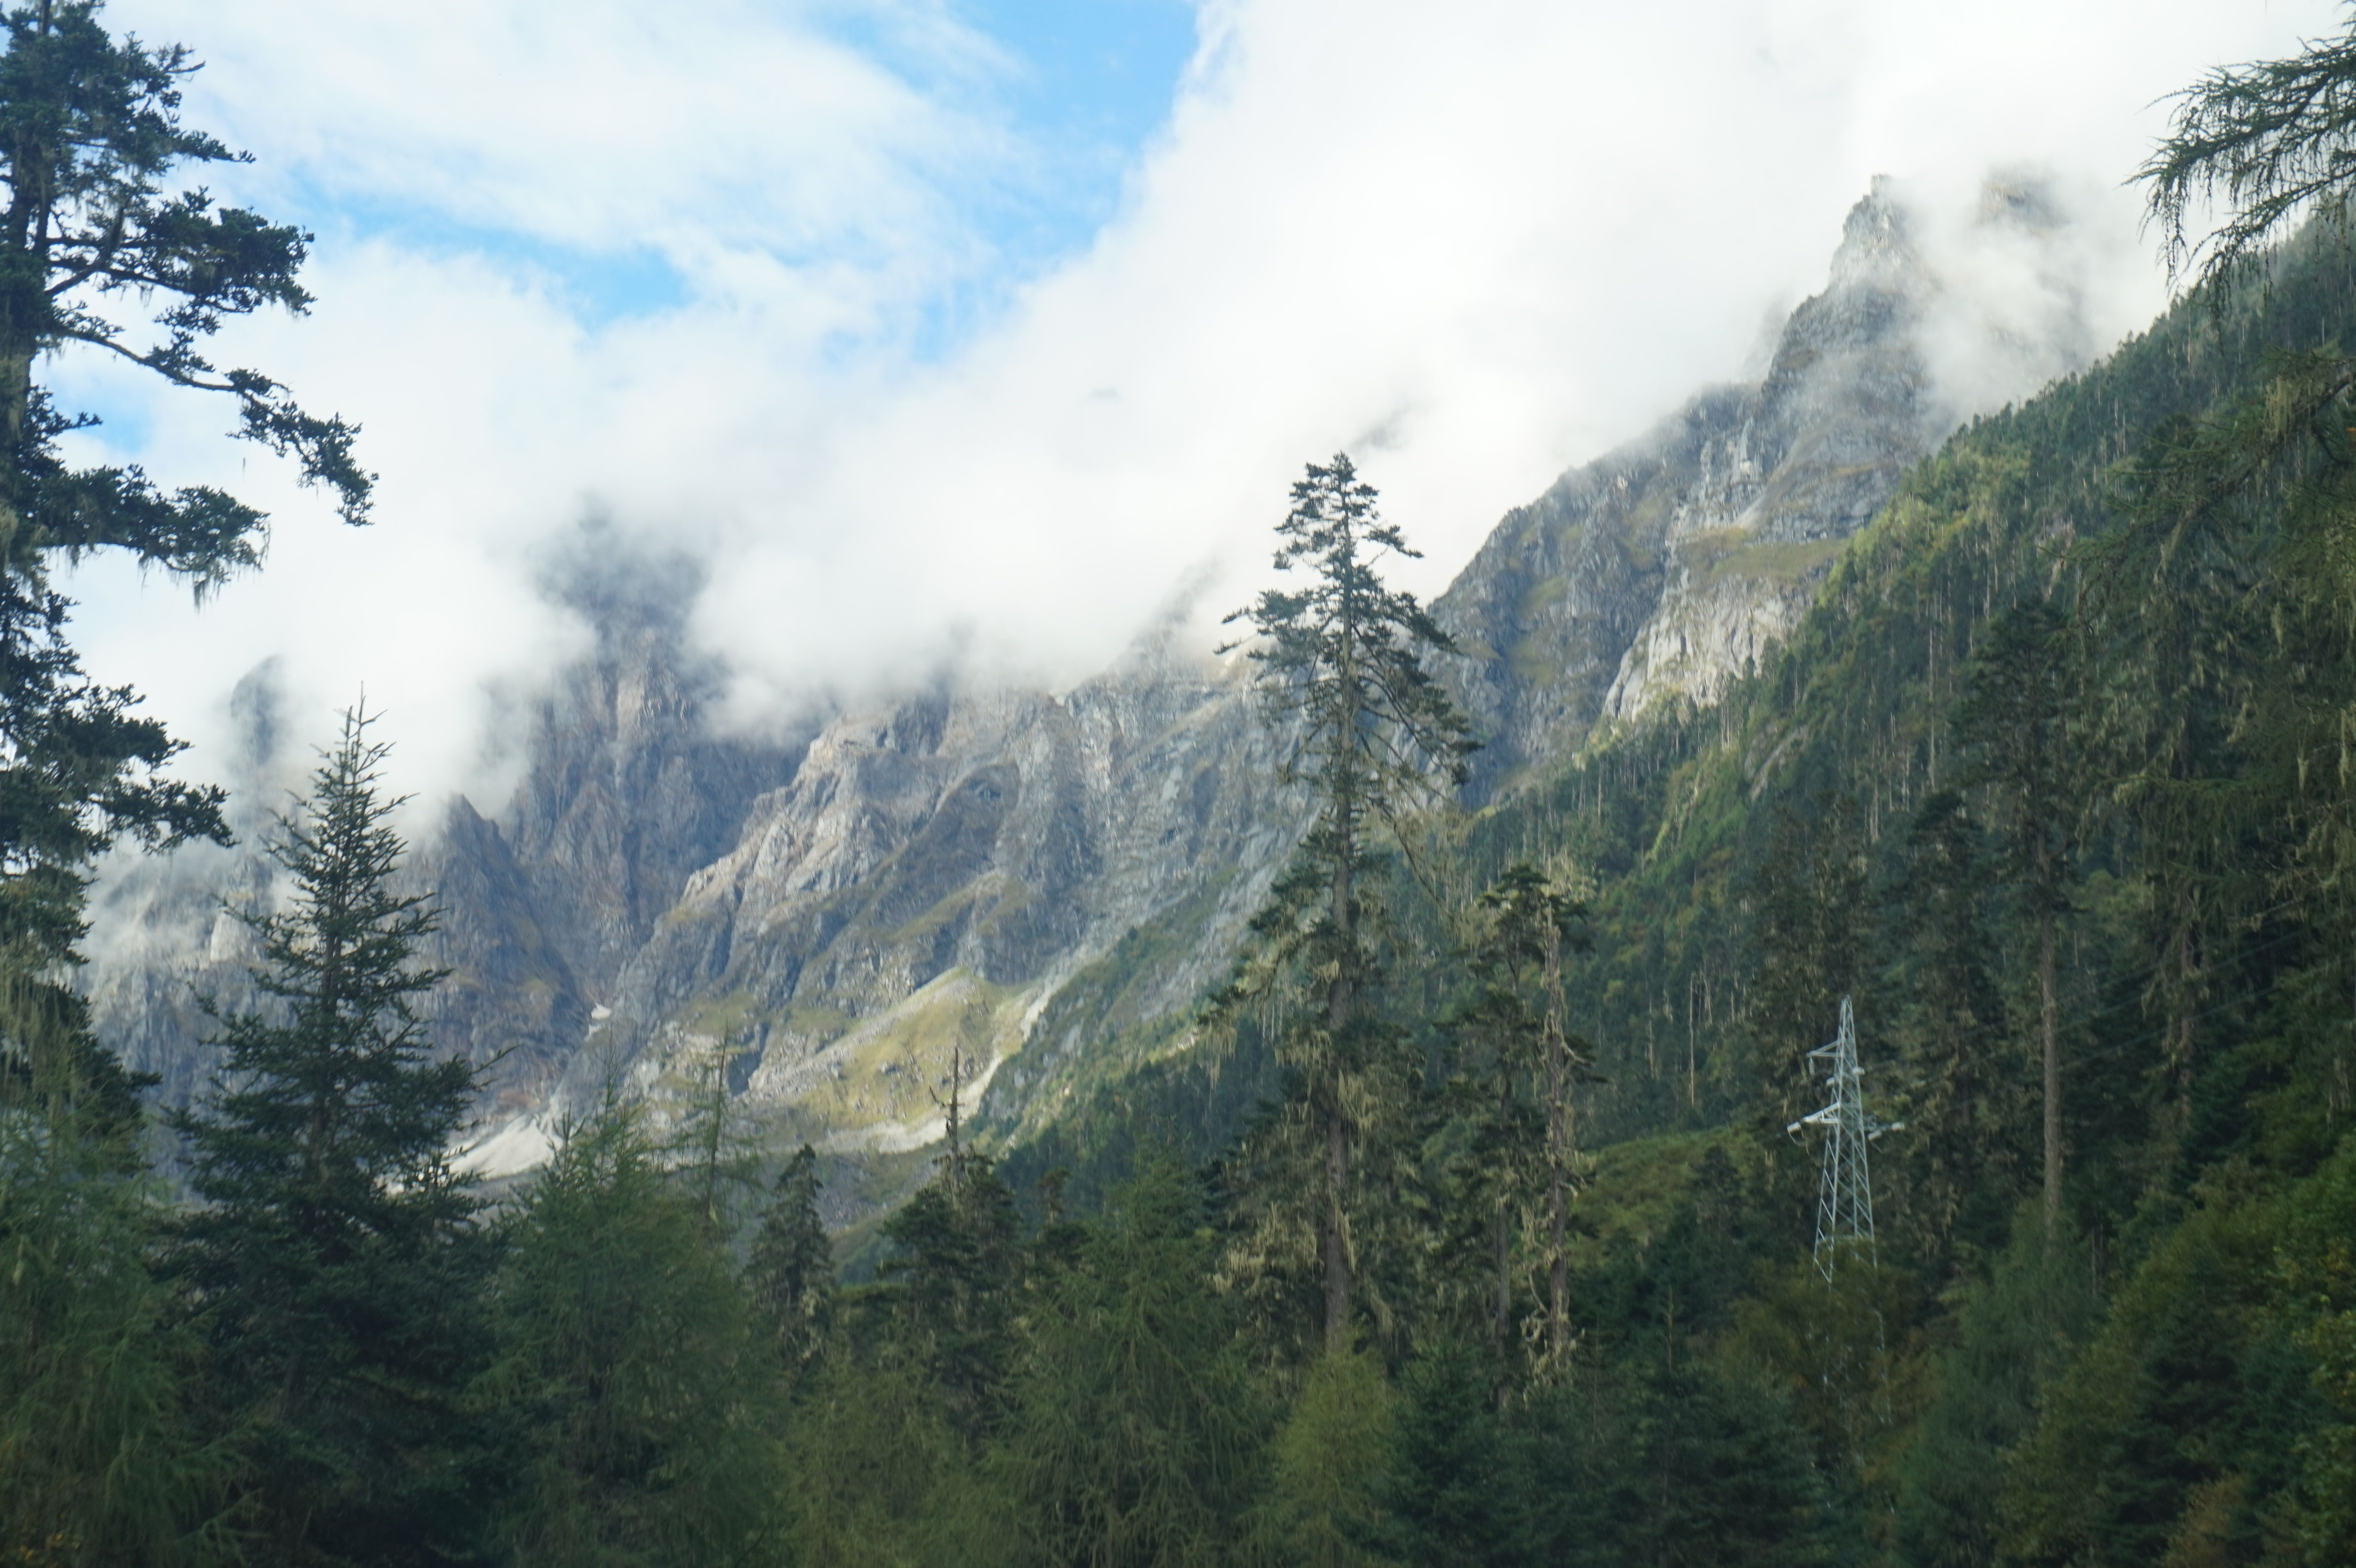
[1662,571]
[933,872]
[1038,886]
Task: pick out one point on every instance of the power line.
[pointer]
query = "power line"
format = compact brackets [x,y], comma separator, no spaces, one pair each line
[1844,1193]
[1998,1029]
[2151,1034]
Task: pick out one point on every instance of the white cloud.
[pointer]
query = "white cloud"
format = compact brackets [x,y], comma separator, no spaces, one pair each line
[706,134]
[1477,243]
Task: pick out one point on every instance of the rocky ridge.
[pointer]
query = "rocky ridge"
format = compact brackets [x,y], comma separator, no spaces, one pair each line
[1038,886]
[1663,569]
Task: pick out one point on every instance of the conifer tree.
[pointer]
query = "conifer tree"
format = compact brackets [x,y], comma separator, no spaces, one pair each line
[1961,1151]
[2216,619]
[98,1461]
[1330,1460]
[2276,138]
[1515,1012]
[78,770]
[1715,1473]
[1492,1028]
[2013,1335]
[708,1144]
[2016,715]
[92,152]
[792,1266]
[952,1286]
[2276,141]
[624,1366]
[1133,1433]
[1447,1496]
[874,1472]
[335,1260]
[1374,737]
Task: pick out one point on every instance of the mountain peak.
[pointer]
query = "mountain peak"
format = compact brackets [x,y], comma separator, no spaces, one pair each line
[1877,248]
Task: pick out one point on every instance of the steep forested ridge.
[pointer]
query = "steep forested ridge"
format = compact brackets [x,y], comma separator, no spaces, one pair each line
[1842,823]
[1694,827]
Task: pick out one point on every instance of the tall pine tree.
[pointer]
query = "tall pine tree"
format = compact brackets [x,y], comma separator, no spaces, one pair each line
[1510,1030]
[2015,717]
[628,1369]
[1374,737]
[791,1270]
[335,1260]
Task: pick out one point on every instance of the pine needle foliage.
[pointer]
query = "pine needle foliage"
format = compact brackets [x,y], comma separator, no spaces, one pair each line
[951,1289]
[1329,1461]
[99,1459]
[99,1462]
[1342,661]
[628,1369]
[91,149]
[2015,721]
[876,1476]
[1374,738]
[2276,138]
[92,154]
[335,1260]
[791,1270]
[1962,1089]
[332,1102]
[80,771]
[1134,1431]
[1517,1067]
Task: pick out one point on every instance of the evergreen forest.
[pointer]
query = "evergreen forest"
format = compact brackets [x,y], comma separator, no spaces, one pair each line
[1479,1222]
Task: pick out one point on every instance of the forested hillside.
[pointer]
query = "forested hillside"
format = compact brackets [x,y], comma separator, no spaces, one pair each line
[1474,1217]
[2091,660]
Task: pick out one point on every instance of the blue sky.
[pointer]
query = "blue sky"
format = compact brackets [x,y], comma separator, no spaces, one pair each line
[1089,82]
[1086,84]
[1061,97]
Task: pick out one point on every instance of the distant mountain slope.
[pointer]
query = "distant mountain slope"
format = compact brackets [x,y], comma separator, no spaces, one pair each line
[1047,882]
[1665,569]
[1811,771]
[934,872]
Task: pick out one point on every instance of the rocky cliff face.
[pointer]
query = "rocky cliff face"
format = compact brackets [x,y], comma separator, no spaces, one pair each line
[164,932]
[930,875]
[1661,570]
[625,794]
[1014,887]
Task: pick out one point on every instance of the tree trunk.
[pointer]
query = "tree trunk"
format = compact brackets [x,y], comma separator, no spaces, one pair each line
[2049,1009]
[1337,1133]
[1557,1151]
[24,305]
[1337,1257]
[16,393]
[1504,1236]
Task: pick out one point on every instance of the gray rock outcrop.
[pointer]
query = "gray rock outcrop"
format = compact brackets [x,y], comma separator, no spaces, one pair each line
[1665,569]
[1020,881]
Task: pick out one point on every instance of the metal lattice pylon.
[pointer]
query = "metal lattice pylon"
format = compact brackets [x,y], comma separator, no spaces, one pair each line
[1845,1194]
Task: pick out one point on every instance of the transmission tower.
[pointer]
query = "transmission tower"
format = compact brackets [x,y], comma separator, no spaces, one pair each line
[1845,1194]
